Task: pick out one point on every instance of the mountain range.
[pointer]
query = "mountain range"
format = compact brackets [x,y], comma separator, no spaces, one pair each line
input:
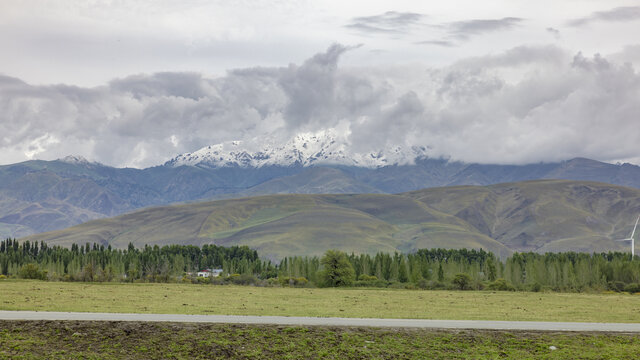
[540,215]
[305,149]
[38,196]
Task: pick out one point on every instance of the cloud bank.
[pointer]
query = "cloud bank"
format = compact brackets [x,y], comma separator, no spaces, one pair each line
[391,22]
[528,104]
[618,14]
[400,25]
[464,29]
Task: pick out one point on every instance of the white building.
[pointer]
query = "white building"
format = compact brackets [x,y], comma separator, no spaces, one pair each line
[209,272]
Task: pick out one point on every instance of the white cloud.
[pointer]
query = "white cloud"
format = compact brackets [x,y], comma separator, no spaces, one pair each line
[527,104]
[40,145]
[88,43]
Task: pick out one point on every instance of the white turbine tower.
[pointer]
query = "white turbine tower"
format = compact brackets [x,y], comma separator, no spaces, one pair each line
[630,238]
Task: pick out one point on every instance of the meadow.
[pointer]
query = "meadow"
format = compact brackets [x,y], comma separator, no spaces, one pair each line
[131,340]
[325,302]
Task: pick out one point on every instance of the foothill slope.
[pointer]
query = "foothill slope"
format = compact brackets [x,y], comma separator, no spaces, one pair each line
[541,216]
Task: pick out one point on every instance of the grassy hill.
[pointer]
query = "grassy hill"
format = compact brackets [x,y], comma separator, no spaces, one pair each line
[543,215]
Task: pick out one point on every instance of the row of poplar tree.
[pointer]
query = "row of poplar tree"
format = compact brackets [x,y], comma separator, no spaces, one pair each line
[435,268]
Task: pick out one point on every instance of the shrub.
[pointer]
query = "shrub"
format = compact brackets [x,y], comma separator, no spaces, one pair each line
[32,271]
[461,281]
[436,285]
[500,285]
[365,277]
[54,276]
[293,282]
[365,280]
[632,288]
[88,272]
[397,285]
[217,280]
[242,279]
[536,287]
[371,283]
[617,286]
[422,284]
[201,280]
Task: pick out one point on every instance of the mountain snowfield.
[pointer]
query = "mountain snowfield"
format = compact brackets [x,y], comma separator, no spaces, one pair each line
[305,149]
[77,160]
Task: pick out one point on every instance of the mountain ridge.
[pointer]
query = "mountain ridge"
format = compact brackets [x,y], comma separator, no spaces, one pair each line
[538,215]
[38,196]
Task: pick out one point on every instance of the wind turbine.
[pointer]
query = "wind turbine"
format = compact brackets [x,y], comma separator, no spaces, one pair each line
[630,238]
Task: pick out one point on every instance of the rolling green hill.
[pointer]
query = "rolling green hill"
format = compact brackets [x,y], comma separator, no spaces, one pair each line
[542,215]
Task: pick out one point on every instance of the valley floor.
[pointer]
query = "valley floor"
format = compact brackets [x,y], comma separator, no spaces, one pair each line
[347,302]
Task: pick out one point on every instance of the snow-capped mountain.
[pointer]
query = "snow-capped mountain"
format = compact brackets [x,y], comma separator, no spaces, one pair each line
[77,160]
[307,149]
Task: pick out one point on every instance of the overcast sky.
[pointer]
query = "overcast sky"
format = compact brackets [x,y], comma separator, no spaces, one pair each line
[133,83]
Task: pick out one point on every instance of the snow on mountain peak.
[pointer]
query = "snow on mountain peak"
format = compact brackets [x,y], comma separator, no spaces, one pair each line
[75,159]
[305,149]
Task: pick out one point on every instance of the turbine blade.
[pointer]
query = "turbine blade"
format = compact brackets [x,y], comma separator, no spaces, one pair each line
[634,228]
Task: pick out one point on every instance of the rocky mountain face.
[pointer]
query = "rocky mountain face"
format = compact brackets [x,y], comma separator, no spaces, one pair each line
[37,196]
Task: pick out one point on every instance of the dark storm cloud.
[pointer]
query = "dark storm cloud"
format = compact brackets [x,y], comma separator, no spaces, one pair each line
[391,22]
[527,104]
[619,14]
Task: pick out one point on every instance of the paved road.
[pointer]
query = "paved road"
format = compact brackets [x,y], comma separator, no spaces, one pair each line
[285,320]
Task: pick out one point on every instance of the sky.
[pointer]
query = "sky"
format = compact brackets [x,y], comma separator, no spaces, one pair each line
[134,83]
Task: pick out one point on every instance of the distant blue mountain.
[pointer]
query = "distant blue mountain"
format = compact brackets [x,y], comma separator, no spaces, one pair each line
[38,196]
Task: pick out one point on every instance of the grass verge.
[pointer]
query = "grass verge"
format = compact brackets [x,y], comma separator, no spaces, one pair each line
[133,340]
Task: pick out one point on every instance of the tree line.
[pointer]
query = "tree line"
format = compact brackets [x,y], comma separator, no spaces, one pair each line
[425,268]
[151,263]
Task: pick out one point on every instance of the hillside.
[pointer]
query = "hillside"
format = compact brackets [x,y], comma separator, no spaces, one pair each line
[545,215]
[38,196]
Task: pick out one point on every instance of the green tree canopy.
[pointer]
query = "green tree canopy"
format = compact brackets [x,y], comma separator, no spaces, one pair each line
[337,270]
[462,281]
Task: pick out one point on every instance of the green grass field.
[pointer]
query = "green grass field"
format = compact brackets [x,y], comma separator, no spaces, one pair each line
[131,340]
[367,303]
